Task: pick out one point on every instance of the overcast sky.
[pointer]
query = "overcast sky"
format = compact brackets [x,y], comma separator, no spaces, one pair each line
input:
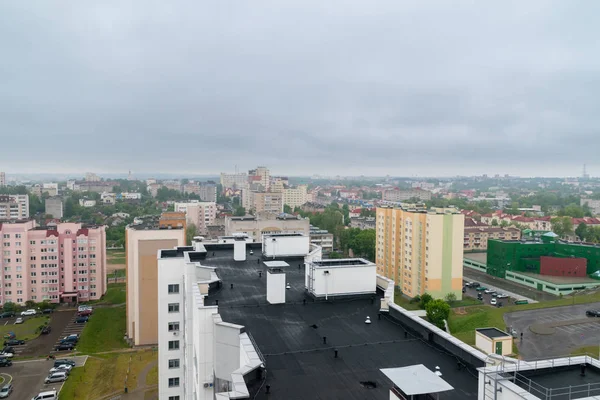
[331,87]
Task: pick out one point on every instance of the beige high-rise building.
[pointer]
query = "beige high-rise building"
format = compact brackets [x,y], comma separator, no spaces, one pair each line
[2,179]
[199,213]
[236,181]
[14,206]
[142,242]
[295,197]
[260,175]
[267,202]
[420,249]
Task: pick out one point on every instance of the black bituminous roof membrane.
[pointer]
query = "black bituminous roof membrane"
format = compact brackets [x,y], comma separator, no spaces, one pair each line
[290,337]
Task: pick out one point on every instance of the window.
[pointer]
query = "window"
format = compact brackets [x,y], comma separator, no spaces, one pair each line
[173,289]
[173,344]
[173,397]
[32,242]
[173,326]
[173,307]
[174,363]
[173,382]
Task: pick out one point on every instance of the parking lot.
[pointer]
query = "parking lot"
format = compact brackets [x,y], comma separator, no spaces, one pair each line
[27,377]
[564,329]
[487,297]
[44,344]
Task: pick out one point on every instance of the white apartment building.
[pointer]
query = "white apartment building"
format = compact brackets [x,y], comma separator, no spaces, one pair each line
[87,203]
[14,206]
[200,213]
[236,181]
[108,198]
[295,197]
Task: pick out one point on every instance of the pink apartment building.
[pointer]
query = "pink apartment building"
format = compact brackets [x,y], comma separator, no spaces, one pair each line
[62,263]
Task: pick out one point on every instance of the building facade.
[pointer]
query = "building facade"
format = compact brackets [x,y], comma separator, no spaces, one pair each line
[594,205]
[267,202]
[54,207]
[62,263]
[403,195]
[234,181]
[14,206]
[201,214]
[476,237]
[255,227]
[421,250]
[261,176]
[295,197]
[142,243]
[2,179]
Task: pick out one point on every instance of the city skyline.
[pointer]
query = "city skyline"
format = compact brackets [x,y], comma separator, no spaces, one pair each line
[400,89]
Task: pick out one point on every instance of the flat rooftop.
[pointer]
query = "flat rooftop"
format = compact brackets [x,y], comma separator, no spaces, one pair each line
[299,364]
[559,280]
[492,333]
[561,381]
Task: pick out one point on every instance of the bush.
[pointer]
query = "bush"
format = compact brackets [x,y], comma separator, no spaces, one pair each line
[437,312]
[425,299]
[450,298]
[415,299]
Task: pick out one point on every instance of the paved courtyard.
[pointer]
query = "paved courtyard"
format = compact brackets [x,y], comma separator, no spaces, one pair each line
[554,332]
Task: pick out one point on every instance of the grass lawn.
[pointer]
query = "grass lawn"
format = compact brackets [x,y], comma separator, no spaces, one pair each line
[117,273]
[105,374]
[25,331]
[591,351]
[152,377]
[115,294]
[115,256]
[115,260]
[104,331]
[463,325]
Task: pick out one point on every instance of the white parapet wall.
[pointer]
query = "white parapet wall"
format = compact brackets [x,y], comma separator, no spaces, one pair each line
[285,245]
[341,277]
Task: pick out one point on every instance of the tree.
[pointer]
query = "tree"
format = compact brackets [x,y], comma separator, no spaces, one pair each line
[190,232]
[494,222]
[239,212]
[581,231]
[335,254]
[450,298]
[437,311]
[562,226]
[30,304]
[425,299]
[9,306]
[287,209]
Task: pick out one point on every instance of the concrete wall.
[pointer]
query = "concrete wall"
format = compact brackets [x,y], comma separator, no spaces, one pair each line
[484,343]
[285,246]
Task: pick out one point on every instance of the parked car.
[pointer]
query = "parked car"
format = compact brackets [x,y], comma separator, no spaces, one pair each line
[502,296]
[31,311]
[5,362]
[6,391]
[467,284]
[7,314]
[48,395]
[19,320]
[475,284]
[70,339]
[62,368]
[479,296]
[47,311]
[61,361]
[84,313]
[64,346]
[46,330]
[14,342]
[481,288]
[82,320]
[593,313]
[493,301]
[8,349]
[83,308]
[56,377]
[490,291]
[6,355]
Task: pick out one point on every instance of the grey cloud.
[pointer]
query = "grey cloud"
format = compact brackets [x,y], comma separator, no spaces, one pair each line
[342,87]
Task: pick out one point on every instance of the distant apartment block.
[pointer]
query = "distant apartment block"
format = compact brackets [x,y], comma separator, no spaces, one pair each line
[14,206]
[313,207]
[201,214]
[87,203]
[108,198]
[256,227]
[362,222]
[2,179]
[172,185]
[403,195]
[143,241]
[54,207]
[594,205]
[321,237]
[295,197]
[207,191]
[60,263]
[266,202]
[421,249]
[94,186]
[261,176]
[478,233]
[234,181]
[91,177]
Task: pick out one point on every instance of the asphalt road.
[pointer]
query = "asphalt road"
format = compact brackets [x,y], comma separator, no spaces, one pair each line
[483,278]
[565,338]
[472,292]
[44,344]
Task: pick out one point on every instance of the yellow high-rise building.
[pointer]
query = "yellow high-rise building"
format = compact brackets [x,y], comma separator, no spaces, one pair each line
[421,249]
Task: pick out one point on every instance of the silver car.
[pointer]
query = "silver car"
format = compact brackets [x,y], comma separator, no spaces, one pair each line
[56,377]
[6,391]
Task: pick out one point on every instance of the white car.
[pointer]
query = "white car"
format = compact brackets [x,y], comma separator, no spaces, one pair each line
[488,291]
[29,312]
[7,355]
[493,301]
[62,368]
[83,308]
[502,296]
[19,320]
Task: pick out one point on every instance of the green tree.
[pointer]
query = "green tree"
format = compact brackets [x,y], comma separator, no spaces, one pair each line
[190,232]
[335,254]
[494,222]
[562,226]
[581,231]
[572,210]
[9,306]
[239,212]
[437,311]
[425,299]
[287,209]
[30,304]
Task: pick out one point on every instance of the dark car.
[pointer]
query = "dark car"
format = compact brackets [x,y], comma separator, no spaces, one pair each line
[46,330]
[84,313]
[7,314]
[64,346]
[82,320]
[8,349]
[14,342]
[68,341]
[475,284]
[47,311]
[62,361]
[5,362]
[593,313]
